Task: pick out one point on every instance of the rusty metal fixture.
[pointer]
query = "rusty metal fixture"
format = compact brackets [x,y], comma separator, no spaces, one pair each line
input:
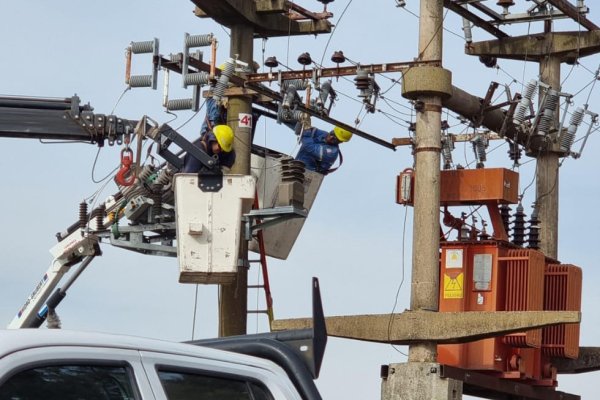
[505,3]
[305,59]
[338,57]
[488,61]
[514,362]
[272,62]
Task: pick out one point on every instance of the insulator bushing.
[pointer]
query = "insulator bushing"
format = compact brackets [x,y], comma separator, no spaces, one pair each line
[447,147]
[338,57]
[305,59]
[324,92]
[272,62]
[292,170]
[286,115]
[197,78]
[547,117]
[142,47]
[533,238]
[299,84]
[505,3]
[165,177]
[136,81]
[514,152]
[198,40]
[180,104]
[519,226]
[568,137]
[99,217]
[505,215]
[524,103]
[83,207]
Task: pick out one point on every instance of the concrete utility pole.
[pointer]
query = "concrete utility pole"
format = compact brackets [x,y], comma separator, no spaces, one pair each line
[233,304]
[547,165]
[426,240]
[419,379]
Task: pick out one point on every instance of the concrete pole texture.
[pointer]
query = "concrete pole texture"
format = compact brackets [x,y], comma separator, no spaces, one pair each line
[426,241]
[233,304]
[547,179]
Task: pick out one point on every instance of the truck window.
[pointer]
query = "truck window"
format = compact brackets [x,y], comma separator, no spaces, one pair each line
[69,382]
[188,385]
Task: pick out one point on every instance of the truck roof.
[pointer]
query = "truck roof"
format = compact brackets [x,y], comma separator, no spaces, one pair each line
[12,340]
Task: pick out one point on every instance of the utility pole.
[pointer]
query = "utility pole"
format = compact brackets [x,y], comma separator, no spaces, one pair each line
[547,179]
[233,303]
[426,240]
[247,18]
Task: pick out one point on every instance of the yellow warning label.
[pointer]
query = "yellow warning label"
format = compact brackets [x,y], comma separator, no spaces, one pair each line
[453,286]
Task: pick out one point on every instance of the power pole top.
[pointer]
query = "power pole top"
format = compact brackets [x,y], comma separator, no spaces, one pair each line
[267,18]
[568,46]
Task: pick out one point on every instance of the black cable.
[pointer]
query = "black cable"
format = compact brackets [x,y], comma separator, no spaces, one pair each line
[334,29]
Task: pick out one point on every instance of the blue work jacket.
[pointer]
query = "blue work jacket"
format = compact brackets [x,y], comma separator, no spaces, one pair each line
[316,154]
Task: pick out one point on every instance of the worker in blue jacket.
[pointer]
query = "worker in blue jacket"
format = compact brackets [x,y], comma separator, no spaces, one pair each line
[320,149]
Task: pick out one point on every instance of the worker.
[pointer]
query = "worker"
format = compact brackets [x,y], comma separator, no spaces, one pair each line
[320,149]
[219,142]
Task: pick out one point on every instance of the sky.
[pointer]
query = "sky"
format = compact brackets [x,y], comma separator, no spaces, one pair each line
[357,240]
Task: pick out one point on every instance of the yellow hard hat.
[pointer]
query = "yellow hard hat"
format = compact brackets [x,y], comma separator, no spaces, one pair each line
[224,136]
[341,134]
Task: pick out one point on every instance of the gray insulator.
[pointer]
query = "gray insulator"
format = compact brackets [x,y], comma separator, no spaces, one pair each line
[324,92]
[568,137]
[165,177]
[525,103]
[197,78]
[229,69]
[364,83]
[180,104]
[176,57]
[479,146]
[299,84]
[198,40]
[226,73]
[289,97]
[147,170]
[140,81]
[547,117]
[467,30]
[286,115]
[219,90]
[142,47]
[447,147]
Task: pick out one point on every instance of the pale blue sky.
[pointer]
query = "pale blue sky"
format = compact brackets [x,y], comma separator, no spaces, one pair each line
[353,240]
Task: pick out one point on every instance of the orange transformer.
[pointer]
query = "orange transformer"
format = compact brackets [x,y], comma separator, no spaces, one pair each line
[492,274]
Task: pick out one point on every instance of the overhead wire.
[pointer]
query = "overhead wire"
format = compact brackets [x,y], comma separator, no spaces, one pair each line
[391,320]
[334,30]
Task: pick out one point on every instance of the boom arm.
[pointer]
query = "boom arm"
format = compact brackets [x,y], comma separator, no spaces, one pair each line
[68,252]
[59,119]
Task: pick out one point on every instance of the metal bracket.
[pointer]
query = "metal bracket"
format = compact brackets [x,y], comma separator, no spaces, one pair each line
[272,216]
[210,180]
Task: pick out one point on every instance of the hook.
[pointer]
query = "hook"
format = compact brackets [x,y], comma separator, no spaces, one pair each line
[126,161]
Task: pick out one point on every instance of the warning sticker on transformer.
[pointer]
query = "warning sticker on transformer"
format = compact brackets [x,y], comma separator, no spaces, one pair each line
[453,286]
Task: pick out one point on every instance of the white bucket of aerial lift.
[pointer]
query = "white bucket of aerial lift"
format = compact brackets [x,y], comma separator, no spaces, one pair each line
[280,238]
[209,227]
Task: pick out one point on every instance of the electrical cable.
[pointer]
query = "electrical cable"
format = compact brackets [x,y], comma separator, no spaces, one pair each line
[119,100]
[525,60]
[391,320]
[194,313]
[334,29]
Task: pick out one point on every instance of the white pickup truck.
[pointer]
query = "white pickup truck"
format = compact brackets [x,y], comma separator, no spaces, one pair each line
[54,364]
